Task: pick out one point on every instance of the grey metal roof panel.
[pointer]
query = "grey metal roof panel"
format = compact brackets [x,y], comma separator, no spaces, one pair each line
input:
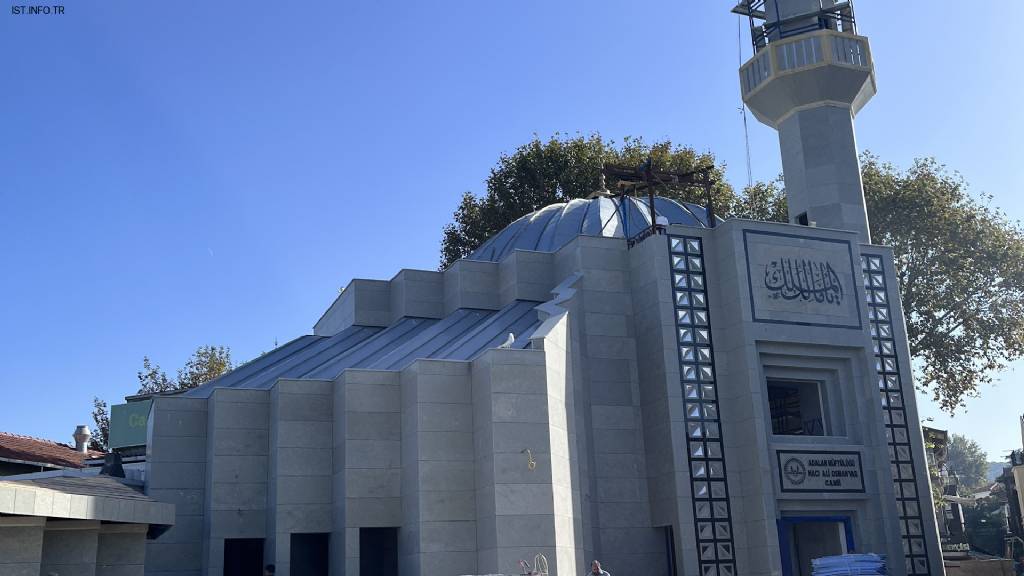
[515,318]
[373,348]
[254,366]
[285,361]
[462,335]
[423,345]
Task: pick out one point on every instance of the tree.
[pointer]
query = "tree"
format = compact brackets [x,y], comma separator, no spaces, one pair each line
[101,432]
[562,168]
[153,380]
[205,364]
[959,262]
[967,461]
[960,267]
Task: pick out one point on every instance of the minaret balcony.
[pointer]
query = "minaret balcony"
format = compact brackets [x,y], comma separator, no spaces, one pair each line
[813,69]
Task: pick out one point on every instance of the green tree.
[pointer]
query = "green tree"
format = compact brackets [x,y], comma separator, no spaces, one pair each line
[960,266]
[205,364]
[959,262]
[101,430]
[967,461]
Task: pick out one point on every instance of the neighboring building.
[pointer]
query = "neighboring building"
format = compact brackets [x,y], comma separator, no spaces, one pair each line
[24,454]
[704,399]
[70,522]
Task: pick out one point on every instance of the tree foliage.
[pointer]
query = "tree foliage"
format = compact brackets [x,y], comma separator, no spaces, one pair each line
[562,168]
[205,364]
[960,266]
[101,429]
[959,262]
[967,461]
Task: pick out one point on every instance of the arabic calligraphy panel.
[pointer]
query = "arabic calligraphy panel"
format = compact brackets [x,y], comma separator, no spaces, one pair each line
[801,280]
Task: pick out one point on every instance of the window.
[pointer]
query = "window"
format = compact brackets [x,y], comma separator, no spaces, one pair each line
[797,408]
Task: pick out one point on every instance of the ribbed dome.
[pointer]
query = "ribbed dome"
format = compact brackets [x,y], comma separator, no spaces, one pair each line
[552,227]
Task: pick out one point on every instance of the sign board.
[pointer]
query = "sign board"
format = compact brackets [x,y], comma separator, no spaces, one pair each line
[801,280]
[128,424]
[820,471]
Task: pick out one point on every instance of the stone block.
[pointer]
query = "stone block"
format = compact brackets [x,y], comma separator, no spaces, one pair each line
[445,446]
[304,407]
[373,454]
[242,415]
[447,537]
[373,426]
[531,408]
[239,469]
[292,434]
[447,475]
[177,475]
[373,398]
[238,523]
[238,496]
[374,482]
[515,499]
[444,418]
[373,512]
[241,442]
[525,530]
[304,462]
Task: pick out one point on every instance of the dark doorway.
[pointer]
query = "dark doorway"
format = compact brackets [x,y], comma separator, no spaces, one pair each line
[243,556]
[803,538]
[310,554]
[378,552]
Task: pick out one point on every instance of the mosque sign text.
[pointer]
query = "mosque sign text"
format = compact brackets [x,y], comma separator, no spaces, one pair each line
[801,280]
[820,471]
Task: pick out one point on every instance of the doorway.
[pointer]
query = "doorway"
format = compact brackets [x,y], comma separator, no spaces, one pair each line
[378,551]
[804,538]
[310,553]
[243,556]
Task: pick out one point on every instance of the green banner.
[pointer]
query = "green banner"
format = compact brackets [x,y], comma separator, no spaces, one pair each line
[128,424]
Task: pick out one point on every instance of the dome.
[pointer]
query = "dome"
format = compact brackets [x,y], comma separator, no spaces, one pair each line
[552,227]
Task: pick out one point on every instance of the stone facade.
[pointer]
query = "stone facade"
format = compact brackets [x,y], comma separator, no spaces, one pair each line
[631,422]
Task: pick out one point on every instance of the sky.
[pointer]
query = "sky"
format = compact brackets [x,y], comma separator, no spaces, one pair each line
[174,174]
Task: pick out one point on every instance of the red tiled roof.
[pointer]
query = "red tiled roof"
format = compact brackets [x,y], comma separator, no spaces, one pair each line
[43,452]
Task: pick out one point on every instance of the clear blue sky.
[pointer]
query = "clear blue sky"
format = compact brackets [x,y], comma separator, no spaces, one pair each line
[182,173]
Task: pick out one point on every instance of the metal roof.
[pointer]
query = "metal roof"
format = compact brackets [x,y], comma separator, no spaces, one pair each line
[554,226]
[462,335]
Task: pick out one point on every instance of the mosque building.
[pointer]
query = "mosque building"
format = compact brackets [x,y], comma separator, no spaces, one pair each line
[673,395]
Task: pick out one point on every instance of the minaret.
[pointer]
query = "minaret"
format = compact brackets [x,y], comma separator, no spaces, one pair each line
[809,76]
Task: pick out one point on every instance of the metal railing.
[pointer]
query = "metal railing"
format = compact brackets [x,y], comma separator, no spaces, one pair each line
[831,15]
[816,48]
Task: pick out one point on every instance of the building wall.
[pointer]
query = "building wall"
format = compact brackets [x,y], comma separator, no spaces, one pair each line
[176,472]
[580,447]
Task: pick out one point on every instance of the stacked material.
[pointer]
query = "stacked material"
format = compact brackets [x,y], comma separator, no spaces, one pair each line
[849,565]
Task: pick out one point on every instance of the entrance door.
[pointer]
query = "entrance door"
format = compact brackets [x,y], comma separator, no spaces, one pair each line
[804,538]
[243,556]
[378,551]
[310,553]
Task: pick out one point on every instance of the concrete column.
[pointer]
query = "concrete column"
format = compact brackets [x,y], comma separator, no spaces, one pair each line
[176,474]
[367,481]
[21,545]
[301,455]
[237,477]
[439,500]
[69,547]
[122,550]
[819,158]
[519,463]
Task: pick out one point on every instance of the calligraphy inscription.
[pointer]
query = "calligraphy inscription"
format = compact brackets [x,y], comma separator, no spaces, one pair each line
[807,280]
